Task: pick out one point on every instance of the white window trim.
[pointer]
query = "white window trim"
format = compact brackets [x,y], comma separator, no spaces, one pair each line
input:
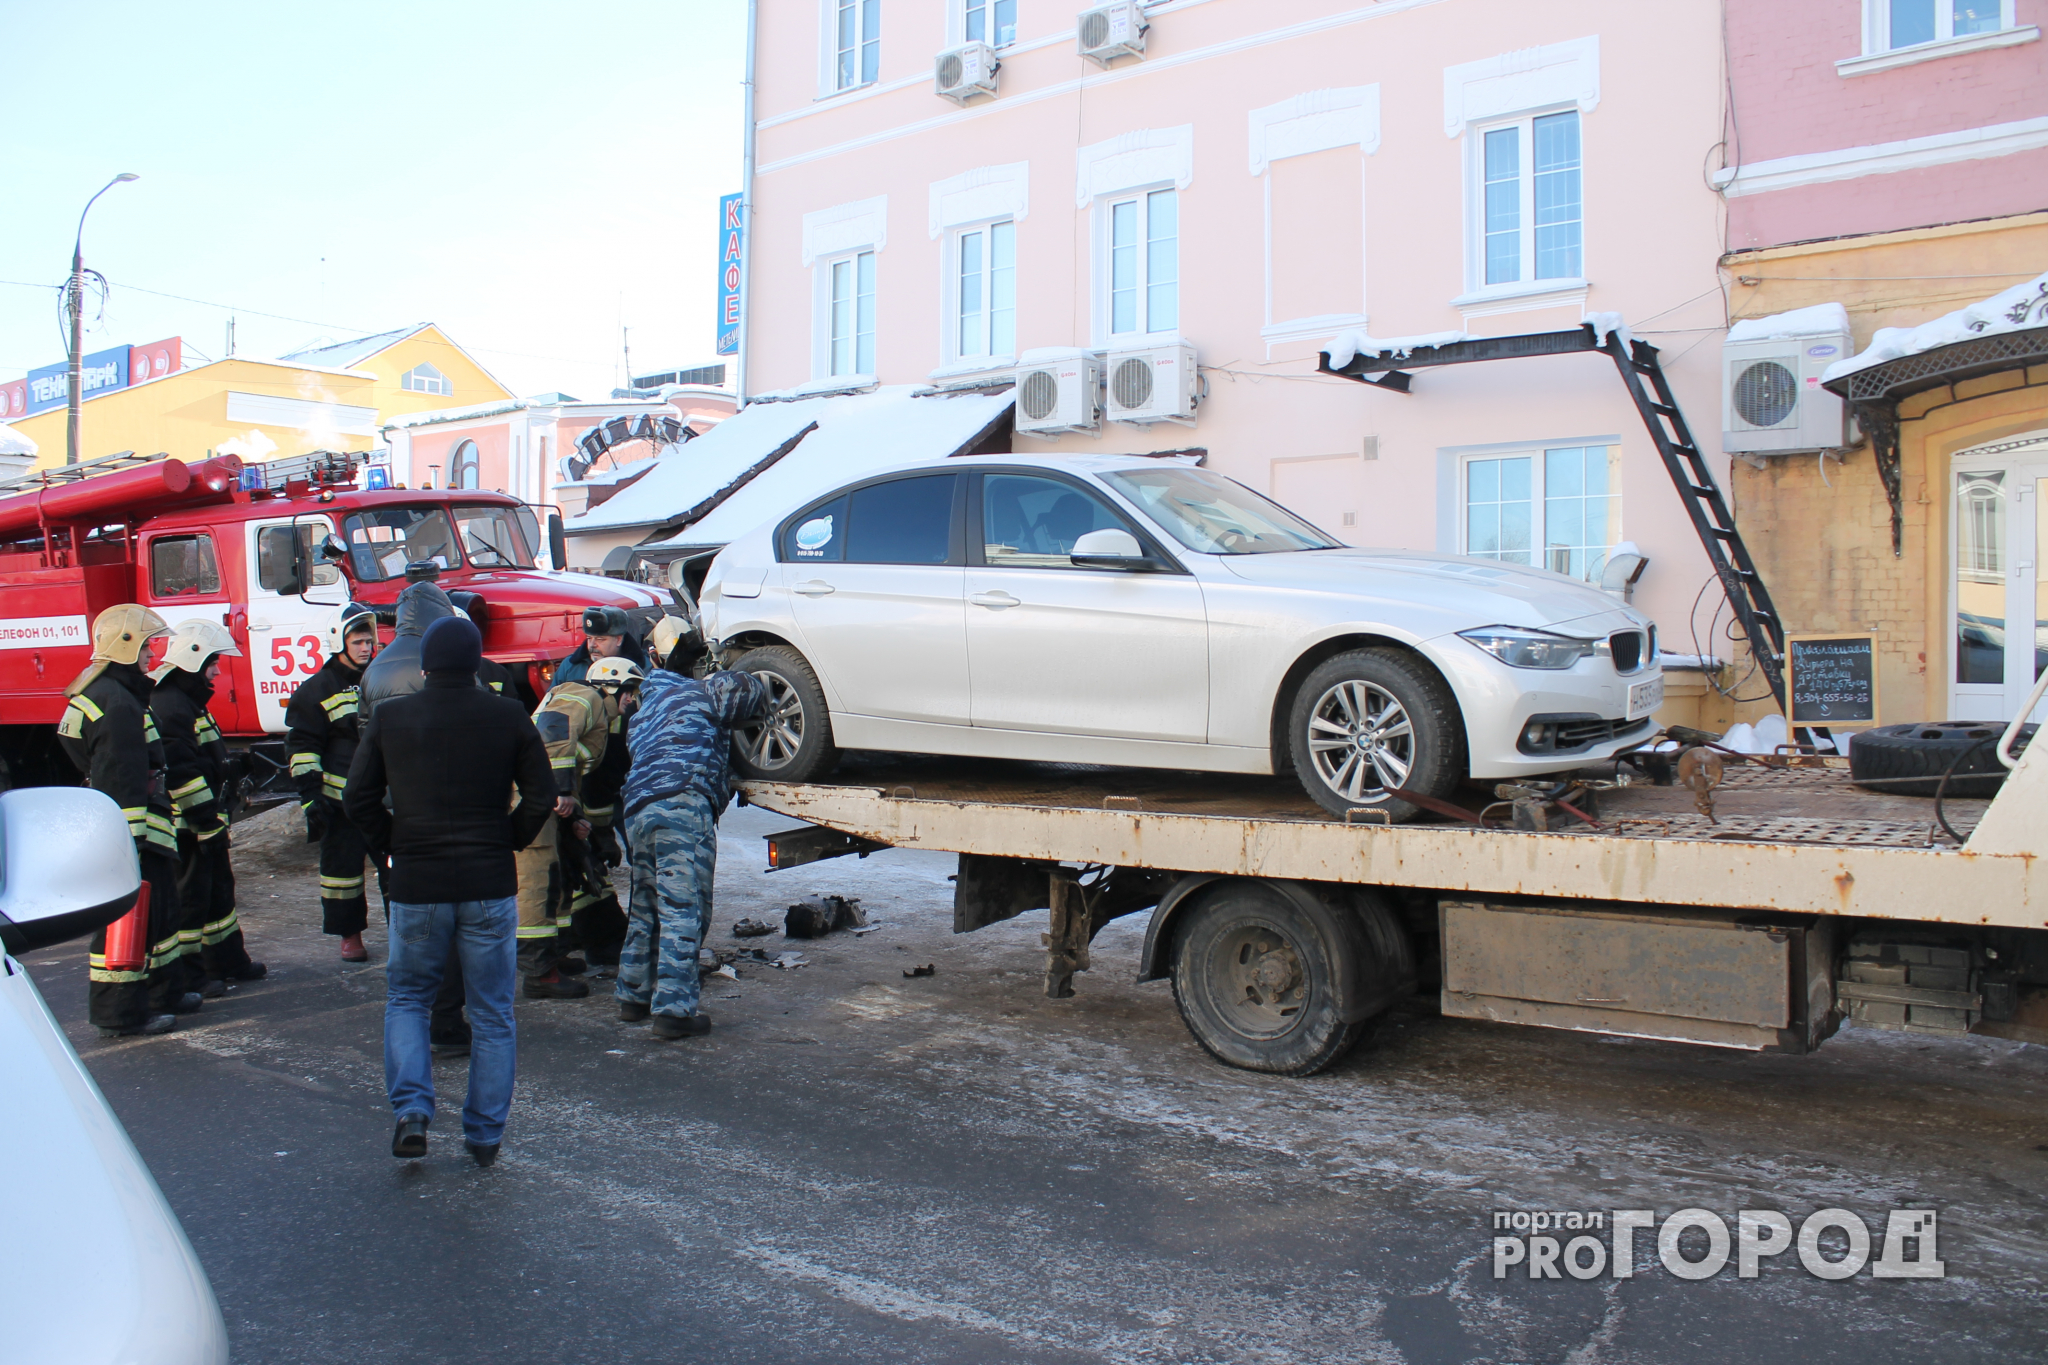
[956,25]
[1528,293]
[954,364]
[1317,121]
[1879,55]
[981,195]
[860,224]
[1538,550]
[1516,84]
[821,318]
[828,54]
[1150,158]
[1099,228]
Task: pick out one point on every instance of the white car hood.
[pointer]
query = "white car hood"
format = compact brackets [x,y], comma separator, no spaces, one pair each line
[1483,591]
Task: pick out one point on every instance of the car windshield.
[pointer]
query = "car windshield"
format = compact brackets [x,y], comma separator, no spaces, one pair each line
[496,537]
[383,542]
[1214,516]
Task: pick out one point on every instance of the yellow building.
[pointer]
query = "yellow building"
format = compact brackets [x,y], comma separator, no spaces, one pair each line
[335,396]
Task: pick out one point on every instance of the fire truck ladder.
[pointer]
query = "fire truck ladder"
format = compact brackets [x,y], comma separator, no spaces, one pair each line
[72,473]
[1649,390]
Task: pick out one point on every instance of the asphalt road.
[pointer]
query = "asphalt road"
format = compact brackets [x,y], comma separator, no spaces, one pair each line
[857,1165]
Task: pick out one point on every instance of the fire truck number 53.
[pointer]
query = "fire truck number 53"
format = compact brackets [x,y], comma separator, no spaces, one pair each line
[283,661]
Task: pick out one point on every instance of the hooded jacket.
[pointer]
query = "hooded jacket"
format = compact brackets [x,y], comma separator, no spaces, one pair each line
[395,672]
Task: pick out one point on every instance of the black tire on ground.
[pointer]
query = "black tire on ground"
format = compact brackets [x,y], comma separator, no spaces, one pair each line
[1256,978]
[1371,719]
[1908,760]
[795,743]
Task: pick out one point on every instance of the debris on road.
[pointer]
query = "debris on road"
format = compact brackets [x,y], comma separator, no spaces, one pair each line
[789,961]
[929,969]
[725,970]
[817,916]
[752,928]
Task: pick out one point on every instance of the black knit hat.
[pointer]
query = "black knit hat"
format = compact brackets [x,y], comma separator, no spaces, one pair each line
[451,645]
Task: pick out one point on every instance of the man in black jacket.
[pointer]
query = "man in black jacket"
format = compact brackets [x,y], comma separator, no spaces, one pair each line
[449,755]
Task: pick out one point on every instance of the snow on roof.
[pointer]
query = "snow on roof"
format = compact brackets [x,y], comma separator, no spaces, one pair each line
[1822,319]
[2018,309]
[721,457]
[13,442]
[342,355]
[1348,346]
[857,435]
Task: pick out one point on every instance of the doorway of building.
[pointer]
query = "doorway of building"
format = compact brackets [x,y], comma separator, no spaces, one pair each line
[1998,588]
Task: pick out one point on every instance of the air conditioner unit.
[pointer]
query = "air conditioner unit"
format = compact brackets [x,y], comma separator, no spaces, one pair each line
[1771,398]
[1108,32]
[1059,393]
[961,73]
[1153,385]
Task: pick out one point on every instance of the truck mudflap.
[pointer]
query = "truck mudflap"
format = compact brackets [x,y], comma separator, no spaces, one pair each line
[1724,979]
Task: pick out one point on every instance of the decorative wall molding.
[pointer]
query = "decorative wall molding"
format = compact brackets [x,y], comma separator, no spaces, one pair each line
[1883,158]
[1315,122]
[1521,81]
[862,223]
[981,195]
[1144,156]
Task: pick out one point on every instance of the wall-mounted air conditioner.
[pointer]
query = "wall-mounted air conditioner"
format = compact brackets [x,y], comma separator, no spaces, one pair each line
[1771,398]
[1108,32]
[961,73]
[1058,391]
[1157,384]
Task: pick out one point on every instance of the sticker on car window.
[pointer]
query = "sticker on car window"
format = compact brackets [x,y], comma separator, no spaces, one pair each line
[813,536]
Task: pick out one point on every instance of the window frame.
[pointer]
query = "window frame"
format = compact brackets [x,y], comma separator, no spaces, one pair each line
[956,540]
[1105,249]
[824,361]
[959,19]
[1539,499]
[1877,25]
[951,294]
[1527,281]
[867,44]
[431,382]
[209,555]
[973,523]
[465,455]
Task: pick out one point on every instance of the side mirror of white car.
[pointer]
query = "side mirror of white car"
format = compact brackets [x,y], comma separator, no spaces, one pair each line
[1109,549]
[68,864]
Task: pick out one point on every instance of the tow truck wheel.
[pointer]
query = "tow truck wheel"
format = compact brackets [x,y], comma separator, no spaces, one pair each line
[1256,977]
[794,742]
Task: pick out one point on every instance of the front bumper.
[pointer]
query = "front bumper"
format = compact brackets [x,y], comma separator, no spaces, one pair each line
[1500,702]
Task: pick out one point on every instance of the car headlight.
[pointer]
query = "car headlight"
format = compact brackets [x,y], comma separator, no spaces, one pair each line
[1518,647]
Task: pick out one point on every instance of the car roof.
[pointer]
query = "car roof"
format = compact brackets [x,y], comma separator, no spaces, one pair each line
[1077,463]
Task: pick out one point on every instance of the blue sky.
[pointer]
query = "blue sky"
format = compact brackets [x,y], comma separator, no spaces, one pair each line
[523,174]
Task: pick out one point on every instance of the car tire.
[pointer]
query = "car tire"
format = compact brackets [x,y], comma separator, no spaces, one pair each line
[795,743]
[1256,978]
[1908,760]
[1360,743]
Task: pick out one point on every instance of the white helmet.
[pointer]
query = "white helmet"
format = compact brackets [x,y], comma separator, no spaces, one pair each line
[346,616]
[615,672]
[194,642]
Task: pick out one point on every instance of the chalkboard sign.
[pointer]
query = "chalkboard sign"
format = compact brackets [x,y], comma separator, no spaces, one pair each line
[1831,679]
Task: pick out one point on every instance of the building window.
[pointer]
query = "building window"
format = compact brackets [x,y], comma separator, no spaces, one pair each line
[1909,23]
[1144,263]
[466,470]
[990,21]
[1567,524]
[985,292]
[424,379]
[856,42]
[1530,202]
[850,315]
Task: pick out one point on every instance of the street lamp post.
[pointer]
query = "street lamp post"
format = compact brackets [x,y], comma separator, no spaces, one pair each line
[74,299]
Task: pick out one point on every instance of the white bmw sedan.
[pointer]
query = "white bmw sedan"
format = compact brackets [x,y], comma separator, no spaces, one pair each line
[1144,612]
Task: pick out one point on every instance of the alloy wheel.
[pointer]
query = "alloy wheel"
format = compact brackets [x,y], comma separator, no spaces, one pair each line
[1361,740]
[774,742]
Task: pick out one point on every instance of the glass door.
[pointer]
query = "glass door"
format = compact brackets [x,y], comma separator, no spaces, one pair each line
[1999,592]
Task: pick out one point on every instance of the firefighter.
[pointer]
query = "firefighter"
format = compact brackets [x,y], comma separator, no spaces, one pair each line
[107,732]
[556,869]
[607,634]
[323,726]
[201,773]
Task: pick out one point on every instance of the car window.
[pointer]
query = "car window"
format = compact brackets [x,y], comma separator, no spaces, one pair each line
[495,537]
[383,542]
[904,521]
[183,566]
[818,536]
[1211,514]
[275,560]
[1030,522]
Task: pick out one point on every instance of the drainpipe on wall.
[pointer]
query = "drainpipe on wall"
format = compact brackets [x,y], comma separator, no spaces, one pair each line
[746,209]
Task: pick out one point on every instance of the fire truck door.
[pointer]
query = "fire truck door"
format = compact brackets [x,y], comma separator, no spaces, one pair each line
[285,640]
[182,576]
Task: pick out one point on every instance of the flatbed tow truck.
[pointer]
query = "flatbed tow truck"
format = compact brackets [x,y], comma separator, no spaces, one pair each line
[1757,914]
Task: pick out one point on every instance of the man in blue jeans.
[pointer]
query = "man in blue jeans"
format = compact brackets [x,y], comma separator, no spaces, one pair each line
[450,756]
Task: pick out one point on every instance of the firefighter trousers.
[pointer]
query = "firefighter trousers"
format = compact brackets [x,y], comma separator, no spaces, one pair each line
[126,999]
[344,909]
[544,911]
[208,926]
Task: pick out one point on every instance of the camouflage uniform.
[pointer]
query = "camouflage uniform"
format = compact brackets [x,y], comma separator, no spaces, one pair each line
[679,783]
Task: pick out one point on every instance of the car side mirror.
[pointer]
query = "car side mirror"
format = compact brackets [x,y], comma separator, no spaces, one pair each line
[1110,549]
[67,865]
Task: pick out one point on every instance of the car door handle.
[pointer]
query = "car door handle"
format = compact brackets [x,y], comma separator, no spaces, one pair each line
[814,587]
[994,600]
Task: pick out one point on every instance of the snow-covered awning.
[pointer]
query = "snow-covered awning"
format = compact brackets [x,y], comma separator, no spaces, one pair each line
[2005,331]
[682,483]
[855,435]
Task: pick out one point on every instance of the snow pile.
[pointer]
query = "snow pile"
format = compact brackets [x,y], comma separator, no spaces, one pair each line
[857,435]
[2016,309]
[1348,346]
[722,456]
[1822,319]
[1607,325]
[1764,737]
[13,442]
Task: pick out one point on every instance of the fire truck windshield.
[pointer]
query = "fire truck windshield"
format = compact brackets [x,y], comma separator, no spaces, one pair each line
[382,542]
[496,537]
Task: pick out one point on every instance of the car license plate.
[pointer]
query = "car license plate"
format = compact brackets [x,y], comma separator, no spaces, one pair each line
[1645,697]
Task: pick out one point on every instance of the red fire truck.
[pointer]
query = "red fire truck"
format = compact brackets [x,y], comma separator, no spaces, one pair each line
[268,551]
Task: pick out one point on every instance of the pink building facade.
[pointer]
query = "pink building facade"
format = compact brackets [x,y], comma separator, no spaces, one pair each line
[1256,183]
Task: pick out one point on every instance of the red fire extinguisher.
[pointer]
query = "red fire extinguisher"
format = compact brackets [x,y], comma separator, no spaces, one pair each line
[128,936]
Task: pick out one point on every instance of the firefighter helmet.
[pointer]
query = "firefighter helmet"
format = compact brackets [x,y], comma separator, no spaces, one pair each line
[119,634]
[192,644]
[615,672]
[345,619]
